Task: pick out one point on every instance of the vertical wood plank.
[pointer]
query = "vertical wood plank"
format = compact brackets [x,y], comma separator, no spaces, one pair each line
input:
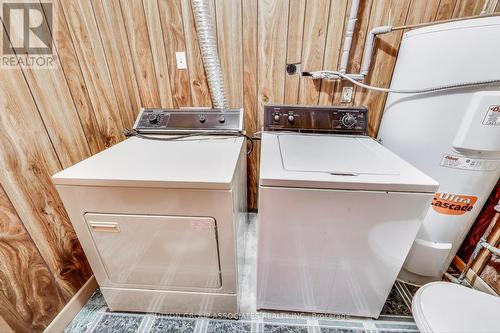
[296,14]
[468,8]
[422,12]
[313,48]
[119,61]
[153,22]
[200,93]
[76,84]
[250,80]
[137,33]
[28,160]
[49,89]
[272,30]
[445,10]
[29,296]
[92,59]
[384,58]
[480,4]
[492,5]
[173,34]
[229,33]
[334,40]
[50,92]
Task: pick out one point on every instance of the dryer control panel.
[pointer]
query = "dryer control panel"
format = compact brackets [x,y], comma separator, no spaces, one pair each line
[167,121]
[316,119]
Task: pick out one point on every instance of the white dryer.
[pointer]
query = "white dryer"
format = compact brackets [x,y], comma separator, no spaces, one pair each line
[338,212]
[158,220]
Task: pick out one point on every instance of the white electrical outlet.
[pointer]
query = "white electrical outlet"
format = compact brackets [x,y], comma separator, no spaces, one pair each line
[181,60]
[347,94]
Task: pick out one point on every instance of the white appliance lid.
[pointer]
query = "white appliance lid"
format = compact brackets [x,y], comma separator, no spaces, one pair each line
[205,162]
[341,162]
[332,155]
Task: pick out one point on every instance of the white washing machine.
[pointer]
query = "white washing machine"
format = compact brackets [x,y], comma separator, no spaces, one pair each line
[338,212]
[158,220]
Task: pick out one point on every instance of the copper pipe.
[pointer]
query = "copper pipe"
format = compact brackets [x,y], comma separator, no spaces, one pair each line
[483,242]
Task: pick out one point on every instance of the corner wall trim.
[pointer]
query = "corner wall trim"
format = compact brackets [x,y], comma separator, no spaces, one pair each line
[70,310]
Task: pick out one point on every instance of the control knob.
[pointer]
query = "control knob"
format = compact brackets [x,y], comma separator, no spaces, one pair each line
[276,117]
[291,118]
[154,119]
[203,119]
[349,120]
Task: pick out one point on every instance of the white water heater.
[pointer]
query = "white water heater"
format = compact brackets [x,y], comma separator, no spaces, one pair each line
[452,135]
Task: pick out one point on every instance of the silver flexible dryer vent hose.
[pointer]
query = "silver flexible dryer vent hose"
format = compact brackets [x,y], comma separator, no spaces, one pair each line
[208,45]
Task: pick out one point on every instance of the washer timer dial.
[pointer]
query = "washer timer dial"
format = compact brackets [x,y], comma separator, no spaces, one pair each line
[349,120]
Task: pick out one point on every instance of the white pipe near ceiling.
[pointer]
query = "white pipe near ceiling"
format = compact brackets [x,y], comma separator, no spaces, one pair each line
[351,24]
[368,52]
[369,45]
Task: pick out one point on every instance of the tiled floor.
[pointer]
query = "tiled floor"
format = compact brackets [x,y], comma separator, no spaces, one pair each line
[95,317]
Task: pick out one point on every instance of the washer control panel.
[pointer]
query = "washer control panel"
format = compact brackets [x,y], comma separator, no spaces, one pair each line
[322,119]
[166,121]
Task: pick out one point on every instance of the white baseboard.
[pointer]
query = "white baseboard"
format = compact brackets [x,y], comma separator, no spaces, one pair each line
[70,310]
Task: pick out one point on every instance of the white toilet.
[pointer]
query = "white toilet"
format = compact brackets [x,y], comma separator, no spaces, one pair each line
[448,307]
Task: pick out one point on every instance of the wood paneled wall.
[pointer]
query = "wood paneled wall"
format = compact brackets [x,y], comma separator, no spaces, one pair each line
[114,56]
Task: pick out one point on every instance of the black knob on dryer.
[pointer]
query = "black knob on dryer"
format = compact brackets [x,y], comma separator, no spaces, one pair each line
[154,119]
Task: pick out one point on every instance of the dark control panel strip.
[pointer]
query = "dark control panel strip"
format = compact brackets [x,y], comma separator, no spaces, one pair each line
[316,119]
[193,120]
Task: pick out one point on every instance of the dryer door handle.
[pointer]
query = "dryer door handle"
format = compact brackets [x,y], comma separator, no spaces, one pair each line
[104,226]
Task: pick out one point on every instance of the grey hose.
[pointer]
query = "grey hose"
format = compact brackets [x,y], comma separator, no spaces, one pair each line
[334,75]
[208,46]
[194,135]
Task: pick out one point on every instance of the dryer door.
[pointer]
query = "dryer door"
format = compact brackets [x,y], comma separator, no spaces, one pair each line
[158,252]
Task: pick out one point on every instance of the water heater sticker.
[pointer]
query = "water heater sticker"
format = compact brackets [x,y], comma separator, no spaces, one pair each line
[465,163]
[492,117]
[453,204]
